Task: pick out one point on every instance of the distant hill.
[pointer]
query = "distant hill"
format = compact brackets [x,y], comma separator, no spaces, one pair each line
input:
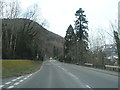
[47,40]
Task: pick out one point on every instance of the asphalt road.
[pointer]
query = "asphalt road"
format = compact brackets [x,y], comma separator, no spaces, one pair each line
[54,74]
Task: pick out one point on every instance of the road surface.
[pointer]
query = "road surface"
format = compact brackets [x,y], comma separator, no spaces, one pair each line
[54,74]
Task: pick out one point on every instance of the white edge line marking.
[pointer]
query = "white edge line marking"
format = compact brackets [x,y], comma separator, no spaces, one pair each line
[10,87]
[8,83]
[14,80]
[28,76]
[20,77]
[40,68]
[88,86]
[24,78]
[1,86]
[16,83]
[21,80]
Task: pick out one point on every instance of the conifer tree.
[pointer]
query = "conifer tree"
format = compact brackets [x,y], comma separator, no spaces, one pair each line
[81,27]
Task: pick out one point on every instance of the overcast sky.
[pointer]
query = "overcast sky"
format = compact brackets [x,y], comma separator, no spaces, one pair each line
[61,13]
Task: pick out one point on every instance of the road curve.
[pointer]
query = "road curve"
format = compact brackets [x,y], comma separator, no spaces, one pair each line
[54,74]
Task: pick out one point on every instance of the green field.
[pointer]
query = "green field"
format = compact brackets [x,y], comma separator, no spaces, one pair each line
[19,67]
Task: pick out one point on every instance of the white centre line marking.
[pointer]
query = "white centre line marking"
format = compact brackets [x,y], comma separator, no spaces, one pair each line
[8,83]
[10,87]
[88,86]
[1,86]
[73,76]
[16,83]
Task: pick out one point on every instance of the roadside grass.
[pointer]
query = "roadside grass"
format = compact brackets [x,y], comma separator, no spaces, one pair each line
[19,67]
[0,68]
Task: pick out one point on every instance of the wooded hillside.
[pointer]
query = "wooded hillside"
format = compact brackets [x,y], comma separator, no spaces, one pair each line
[26,39]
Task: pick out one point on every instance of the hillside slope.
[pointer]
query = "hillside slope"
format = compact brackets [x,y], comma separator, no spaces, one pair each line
[45,39]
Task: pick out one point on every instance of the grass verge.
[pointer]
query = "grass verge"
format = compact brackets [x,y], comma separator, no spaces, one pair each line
[19,67]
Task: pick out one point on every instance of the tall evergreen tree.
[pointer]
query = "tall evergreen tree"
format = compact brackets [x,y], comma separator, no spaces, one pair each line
[68,45]
[81,27]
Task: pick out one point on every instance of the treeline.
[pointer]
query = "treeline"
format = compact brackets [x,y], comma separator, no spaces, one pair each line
[18,39]
[26,39]
[79,49]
